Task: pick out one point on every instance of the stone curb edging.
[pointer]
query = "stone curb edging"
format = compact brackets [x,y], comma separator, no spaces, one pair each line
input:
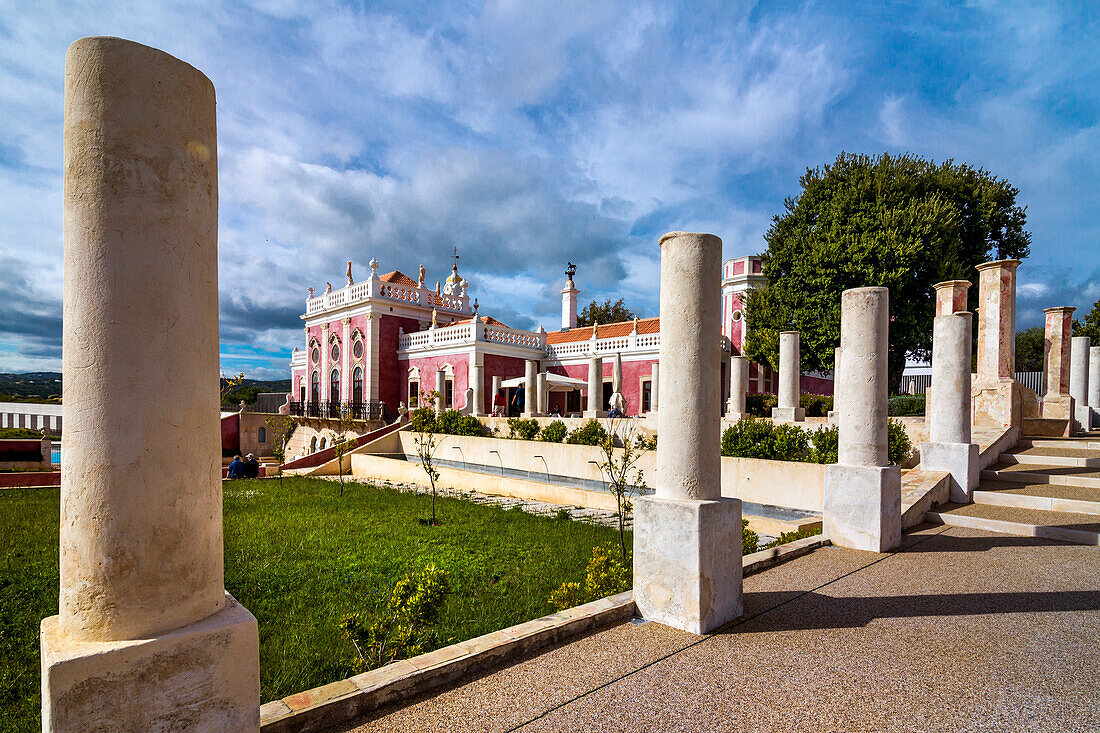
[345,700]
[348,699]
[765,559]
[1020,529]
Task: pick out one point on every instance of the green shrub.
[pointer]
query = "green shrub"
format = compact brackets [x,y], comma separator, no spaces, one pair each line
[759,404]
[816,405]
[422,420]
[899,446]
[749,539]
[553,432]
[792,536]
[404,629]
[646,442]
[750,438]
[826,443]
[591,433]
[521,429]
[607,574]
[453,422]
[905,405]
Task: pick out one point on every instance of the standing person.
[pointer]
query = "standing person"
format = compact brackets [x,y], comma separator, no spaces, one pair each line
[251,467]
[518,400]
[236,468]
[498,404]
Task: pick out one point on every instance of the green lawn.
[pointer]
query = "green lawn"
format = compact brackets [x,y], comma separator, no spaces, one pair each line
[299,557]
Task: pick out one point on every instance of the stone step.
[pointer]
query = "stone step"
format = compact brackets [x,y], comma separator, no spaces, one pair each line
[1079,529]
[1049,459]
[1044,474]
[1081,443]
[1034,497]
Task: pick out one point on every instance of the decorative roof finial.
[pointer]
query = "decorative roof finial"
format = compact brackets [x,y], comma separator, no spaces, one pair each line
[435,317]
[475,306]
[635,325]
[423,272]
[310,292]
[328,286]
[373,267]
[351,281]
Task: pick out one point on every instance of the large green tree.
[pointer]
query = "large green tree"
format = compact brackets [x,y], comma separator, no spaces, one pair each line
[902,222]
[1030,347]
[606,312]
[1090,326]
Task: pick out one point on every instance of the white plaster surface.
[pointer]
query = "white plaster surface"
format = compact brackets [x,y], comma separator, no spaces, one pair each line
[689,426]
[530,388]
[958,459]
[1079,381]
[141,528]
[477,381]
[202,677]
[595,388]
[862,506]
[687,562]
[1094,386]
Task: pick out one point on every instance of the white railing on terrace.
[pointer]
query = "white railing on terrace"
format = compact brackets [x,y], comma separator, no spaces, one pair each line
[297,359]
[616,344]
[373,287]
[468,333]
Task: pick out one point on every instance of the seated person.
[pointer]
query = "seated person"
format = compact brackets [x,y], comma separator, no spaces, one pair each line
[556,410]
[236,468]
[251,467]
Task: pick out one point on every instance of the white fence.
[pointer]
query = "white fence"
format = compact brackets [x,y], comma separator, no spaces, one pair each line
[31,416]
[919,383]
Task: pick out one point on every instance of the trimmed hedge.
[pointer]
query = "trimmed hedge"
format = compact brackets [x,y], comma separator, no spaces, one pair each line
[905,405]
[751,438]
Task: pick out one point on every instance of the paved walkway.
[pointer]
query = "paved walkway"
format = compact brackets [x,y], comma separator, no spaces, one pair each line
[961,630]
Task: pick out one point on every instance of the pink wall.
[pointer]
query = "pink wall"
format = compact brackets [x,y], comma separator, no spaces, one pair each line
[428,367]
[816,385]
[393,383]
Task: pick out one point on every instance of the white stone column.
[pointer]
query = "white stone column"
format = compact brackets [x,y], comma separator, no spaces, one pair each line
[146,632]
[739,380]
[493,396]
[440,389]
[595,388]
[345,361]
[687,549]
[530,388]
[834,414]
[1079,381]
[790,373]
[654,379]
[325,381]
[1094,387]
[863,492]
[541,385]
[1057,404]
[477,383]
[950,447]
[617,373]
[951,296]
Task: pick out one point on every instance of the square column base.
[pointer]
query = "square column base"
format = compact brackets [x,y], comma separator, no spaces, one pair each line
[1058,407]
[731,415]
[863,507]
[1082,418]
[687,562]
[788,414]
[202,677]
[594,413]
[958,459]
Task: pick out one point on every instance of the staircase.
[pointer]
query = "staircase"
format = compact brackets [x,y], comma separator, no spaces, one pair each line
[1046,488]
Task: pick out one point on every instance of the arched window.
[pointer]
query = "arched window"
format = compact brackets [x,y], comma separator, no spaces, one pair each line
[313,444]
[315,388]
[357,349]
[321,445]
[261,435]
[334,386]
[357,384]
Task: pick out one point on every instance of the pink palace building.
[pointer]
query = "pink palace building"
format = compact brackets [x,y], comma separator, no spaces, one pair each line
[375,344]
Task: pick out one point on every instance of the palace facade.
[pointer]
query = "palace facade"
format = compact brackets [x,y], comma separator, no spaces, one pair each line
[375,344]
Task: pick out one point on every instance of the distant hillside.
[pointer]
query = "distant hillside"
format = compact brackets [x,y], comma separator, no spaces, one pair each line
[30,387]
[46,387]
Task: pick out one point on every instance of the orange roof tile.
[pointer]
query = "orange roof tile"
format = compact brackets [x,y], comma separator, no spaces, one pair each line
[488,319]
[605,330]
[398,278]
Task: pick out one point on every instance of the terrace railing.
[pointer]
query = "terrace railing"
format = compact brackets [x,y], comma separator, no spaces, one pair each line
[468,333]
[374,287]
[333,410]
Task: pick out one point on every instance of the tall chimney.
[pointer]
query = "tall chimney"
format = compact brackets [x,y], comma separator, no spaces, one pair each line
[569,301]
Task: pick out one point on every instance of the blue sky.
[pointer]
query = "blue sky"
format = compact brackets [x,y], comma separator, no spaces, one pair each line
[532,133]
